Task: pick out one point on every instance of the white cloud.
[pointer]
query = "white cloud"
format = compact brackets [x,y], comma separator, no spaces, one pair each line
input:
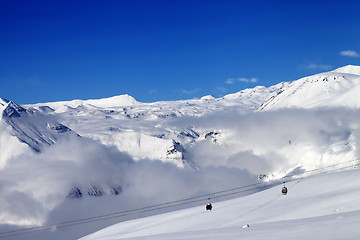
[189,92]
[33,186]
[319,66]
[230,80]
[221,89]
[246,80]
[349,53]
[153,91]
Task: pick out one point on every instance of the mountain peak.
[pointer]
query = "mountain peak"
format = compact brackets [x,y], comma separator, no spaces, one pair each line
[208,97]
[331,89]
[11,109]
[351,69]
[30,126]
[3,105]
[3,101]
[120,100]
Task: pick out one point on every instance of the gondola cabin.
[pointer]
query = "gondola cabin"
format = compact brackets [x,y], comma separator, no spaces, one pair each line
[284,190]
[208,207]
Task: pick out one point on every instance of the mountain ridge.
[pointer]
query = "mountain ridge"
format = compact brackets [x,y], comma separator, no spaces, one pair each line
[30,126]
[249,99]
[336,88]
[319,90]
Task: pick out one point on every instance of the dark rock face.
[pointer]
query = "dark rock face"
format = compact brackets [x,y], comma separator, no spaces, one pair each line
[93,191]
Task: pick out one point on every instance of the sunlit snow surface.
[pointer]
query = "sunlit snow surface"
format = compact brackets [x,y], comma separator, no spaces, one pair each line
[150,153]
[321,207]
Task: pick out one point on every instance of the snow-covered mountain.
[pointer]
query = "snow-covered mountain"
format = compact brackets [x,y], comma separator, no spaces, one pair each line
[338,88]
[30,126]
[144,131]
[25,128]
[134,154]
[137,128]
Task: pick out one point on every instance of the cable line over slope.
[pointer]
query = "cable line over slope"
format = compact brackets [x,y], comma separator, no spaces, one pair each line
[185,201]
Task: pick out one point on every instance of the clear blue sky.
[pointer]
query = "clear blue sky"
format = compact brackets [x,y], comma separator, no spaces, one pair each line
[168,50]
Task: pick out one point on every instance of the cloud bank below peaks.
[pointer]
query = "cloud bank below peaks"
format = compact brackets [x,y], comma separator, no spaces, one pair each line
[35,186]
[275,142]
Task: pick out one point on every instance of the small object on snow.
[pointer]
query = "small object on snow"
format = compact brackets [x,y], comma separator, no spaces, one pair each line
[284,190]
[245,226]
[336,210]
[208,206]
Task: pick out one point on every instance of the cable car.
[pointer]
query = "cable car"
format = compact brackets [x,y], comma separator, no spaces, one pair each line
[284,190]
[208,206]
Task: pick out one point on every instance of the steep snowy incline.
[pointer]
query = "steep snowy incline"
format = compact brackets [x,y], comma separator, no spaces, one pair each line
[350,69]
[338,88]
[29,126]
[3,105]
[321,207]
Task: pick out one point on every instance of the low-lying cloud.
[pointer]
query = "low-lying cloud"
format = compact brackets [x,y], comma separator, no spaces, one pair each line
[270,142]
[34,186]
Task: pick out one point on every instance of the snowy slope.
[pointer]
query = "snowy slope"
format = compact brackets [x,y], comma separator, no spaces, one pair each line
[22,129]
[31,127]
[116,101]
[350,69]
[338,88]
[321,207]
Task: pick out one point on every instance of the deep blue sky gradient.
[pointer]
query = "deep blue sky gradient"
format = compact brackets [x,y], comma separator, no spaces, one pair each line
[167,50]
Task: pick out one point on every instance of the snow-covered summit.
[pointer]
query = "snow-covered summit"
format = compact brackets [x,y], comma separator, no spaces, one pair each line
[115,101]
[350,69]
[3,105]
[338,88]
[3,101]
[208,97]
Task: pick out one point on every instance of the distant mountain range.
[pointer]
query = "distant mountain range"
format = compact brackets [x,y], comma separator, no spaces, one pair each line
[145,130]
[39,124]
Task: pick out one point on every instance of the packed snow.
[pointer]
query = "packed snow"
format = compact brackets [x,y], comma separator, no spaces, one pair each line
[319,207]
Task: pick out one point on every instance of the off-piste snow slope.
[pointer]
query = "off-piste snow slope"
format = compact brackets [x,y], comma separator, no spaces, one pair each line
[321,207]
[338,88]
